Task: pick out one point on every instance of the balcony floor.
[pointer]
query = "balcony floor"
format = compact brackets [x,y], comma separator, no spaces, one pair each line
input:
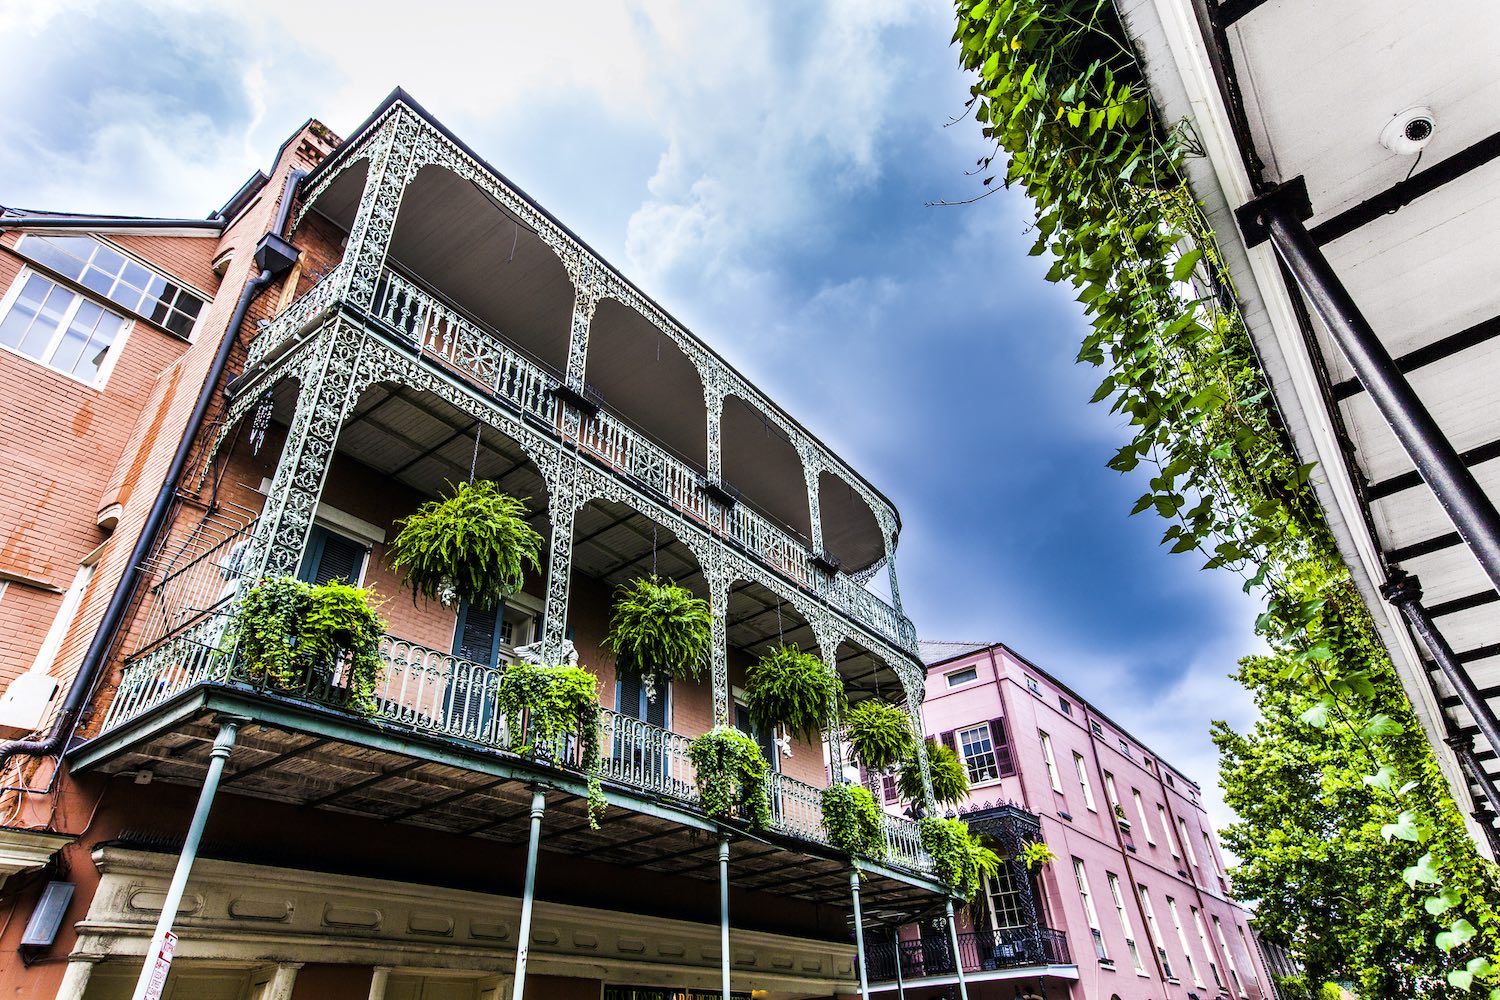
[302,754]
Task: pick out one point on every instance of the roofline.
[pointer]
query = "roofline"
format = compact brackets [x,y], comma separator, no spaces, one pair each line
[26,219]
[400,96]
[1085,702]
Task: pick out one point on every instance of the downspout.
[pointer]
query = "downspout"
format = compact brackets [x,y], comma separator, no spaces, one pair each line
[94,657]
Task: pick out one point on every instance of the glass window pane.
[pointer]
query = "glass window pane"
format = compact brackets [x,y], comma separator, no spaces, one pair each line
[62,254]
[50,318]
[23,311]
[189,305]
[108,261]
[99,281]
[99,346]
[70,349]
[179,324]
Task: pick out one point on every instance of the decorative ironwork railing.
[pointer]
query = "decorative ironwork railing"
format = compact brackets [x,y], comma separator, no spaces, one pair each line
[295,317]
[981,951]
[196,588]
[436,693]
[482,356]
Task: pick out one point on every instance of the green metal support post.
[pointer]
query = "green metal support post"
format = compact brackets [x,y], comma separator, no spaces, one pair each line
[958,959]
[859,934]
[528,896]
[724,915]
[223,744]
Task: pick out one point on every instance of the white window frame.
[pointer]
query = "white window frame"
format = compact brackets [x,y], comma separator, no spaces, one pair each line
[1033,686]
[1183,941]
[953,683]
[1187,842]
[1254,977]
[1050,761]
[1110,793]
[112,354]
[1140,807]
[1154,930]
[989,738]
[1166,830]
[1234,972]
[1118,897]
[1101,950]
[1081,766]
[1208,951]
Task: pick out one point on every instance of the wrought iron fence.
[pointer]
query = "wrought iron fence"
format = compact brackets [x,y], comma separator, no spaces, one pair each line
[981,951]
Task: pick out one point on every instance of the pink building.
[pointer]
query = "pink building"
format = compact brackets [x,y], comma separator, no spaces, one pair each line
[1137,890]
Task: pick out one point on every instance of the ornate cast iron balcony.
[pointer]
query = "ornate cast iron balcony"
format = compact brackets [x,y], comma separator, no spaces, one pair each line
[981,951]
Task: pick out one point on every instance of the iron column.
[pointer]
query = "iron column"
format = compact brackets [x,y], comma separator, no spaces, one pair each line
[859,933]
[223,744]
[1278,216]
[528,895]
[724,915]
[900,981]
[958,959]
[1405,592]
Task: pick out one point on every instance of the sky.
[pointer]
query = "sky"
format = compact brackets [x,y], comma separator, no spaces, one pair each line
[767,173]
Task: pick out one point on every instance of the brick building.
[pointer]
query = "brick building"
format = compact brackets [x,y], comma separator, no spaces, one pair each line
[196,405]
[1137,888]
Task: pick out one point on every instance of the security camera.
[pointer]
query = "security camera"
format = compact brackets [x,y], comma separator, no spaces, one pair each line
[1408,131]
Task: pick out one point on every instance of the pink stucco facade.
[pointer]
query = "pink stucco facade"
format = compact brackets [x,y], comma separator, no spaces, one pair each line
[1158,849]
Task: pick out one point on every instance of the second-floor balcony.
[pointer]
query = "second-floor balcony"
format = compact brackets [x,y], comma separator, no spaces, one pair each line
[981,952]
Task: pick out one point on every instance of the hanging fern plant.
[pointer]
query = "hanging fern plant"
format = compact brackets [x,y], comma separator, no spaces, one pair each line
[855,821]
[732,776]
[950,782]
[659,630]
[322,641]
[558,702]
[879,735]
[474,546]
[790,688]
[1035,854]
[958,855]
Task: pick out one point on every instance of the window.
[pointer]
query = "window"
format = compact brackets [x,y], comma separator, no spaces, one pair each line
[1033,686]
[330,556]
[1118,898]
[1096,729]
[1208,852]
[1007,907]
[1125,749]
[1234,972]
[1065,705]
[889,788]
[1254,979]
[1170,782]
[60,328]
[1112,795]
[765,738]
[1187,843]
[1155,932]
[1182,940]
[1100,952]
[1140,809]
[963,676]
[978,754]
[1050,761]
[1166,829]
[1208,951]
[1083,781]
[111,274]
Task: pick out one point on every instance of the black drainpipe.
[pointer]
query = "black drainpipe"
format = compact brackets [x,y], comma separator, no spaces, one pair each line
[275,256]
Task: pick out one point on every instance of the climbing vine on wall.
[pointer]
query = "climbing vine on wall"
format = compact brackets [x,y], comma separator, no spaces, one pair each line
[1061,97]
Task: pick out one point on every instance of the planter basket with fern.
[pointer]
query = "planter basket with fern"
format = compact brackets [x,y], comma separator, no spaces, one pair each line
[659,630]
[474,546]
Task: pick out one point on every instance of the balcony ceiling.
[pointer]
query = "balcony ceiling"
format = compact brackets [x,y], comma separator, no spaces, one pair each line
[321,763]
[1318,83]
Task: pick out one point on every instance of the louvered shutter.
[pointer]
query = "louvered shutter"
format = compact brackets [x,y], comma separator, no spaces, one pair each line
[476,635]
[331,557]
[1000,737]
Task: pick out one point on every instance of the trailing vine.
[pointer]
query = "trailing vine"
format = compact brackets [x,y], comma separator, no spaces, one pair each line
[855,821]
[300,637]
[1062,98]
[732,776]
[958,855]
[790,688]
[879,734]
[557,703]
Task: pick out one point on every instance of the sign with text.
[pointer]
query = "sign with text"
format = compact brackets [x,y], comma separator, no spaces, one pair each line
[163,962]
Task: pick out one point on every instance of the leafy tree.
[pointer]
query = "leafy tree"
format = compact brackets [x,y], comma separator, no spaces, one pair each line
[1317,851]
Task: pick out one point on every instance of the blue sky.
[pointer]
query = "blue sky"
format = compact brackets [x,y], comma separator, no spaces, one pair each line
[764,172]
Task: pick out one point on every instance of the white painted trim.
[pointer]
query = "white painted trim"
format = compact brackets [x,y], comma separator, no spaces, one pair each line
[112,353]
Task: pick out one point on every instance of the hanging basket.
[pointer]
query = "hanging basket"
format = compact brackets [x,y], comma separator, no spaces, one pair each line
[658,631]
[879,735]
[790,688]
[950,783]
[474,546]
